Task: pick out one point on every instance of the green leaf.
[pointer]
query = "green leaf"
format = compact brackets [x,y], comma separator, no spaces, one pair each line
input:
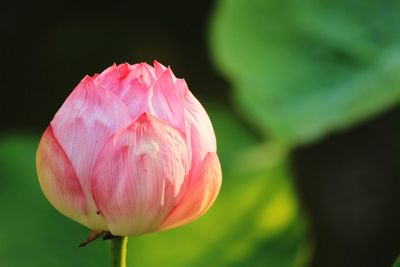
[397,263]
[32,232]
[301,69]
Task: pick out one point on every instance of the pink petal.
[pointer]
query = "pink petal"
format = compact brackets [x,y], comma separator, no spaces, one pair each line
[135,89]
[118,79]
[167,102]
[199,131]
[123,70]
[138,176]
[142,71]
[109,79]
[58,179]
[198,196]
[158,68]
[88,117]
[173,103]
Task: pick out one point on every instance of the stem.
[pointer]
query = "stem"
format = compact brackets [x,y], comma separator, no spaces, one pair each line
[118,251]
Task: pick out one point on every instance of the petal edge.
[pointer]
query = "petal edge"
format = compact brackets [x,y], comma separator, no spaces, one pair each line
[58,179]
[199,196]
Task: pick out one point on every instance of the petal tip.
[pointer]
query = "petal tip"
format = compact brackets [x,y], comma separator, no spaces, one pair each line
[145,118]
[87,79]
[156,63]
[159,68]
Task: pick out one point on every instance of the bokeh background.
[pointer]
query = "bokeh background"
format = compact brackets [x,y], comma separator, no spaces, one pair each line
[304,99]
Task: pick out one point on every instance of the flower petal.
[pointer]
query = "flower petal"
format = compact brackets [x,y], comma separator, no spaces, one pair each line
[123,71]
[138,176]
[109,79]
[158,68]
[88,117]
[168,100]
[142,71]
[58,179]
[199,131]
[118,79]
[198,196]
[135,89]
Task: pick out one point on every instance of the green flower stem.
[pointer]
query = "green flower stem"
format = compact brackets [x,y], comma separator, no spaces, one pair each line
[118,251]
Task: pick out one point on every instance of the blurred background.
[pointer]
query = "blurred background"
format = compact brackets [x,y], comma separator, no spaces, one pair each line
[303,96]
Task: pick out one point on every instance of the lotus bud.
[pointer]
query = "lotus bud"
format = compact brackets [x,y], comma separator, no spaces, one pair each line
[131,151]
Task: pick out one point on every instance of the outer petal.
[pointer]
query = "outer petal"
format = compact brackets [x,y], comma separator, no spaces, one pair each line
[199,131]
[173,103]
[138,176]
[58,179]
[199,195]
[88,117]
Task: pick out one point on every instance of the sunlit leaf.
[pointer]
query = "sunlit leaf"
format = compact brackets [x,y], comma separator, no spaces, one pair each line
[301,69]
[397,263]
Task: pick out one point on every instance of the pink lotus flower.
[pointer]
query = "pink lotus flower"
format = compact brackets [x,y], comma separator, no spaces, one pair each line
[131,151]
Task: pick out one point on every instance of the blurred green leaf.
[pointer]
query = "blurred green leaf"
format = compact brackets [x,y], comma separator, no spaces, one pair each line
[32,232]
[397,263]
[301,69]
